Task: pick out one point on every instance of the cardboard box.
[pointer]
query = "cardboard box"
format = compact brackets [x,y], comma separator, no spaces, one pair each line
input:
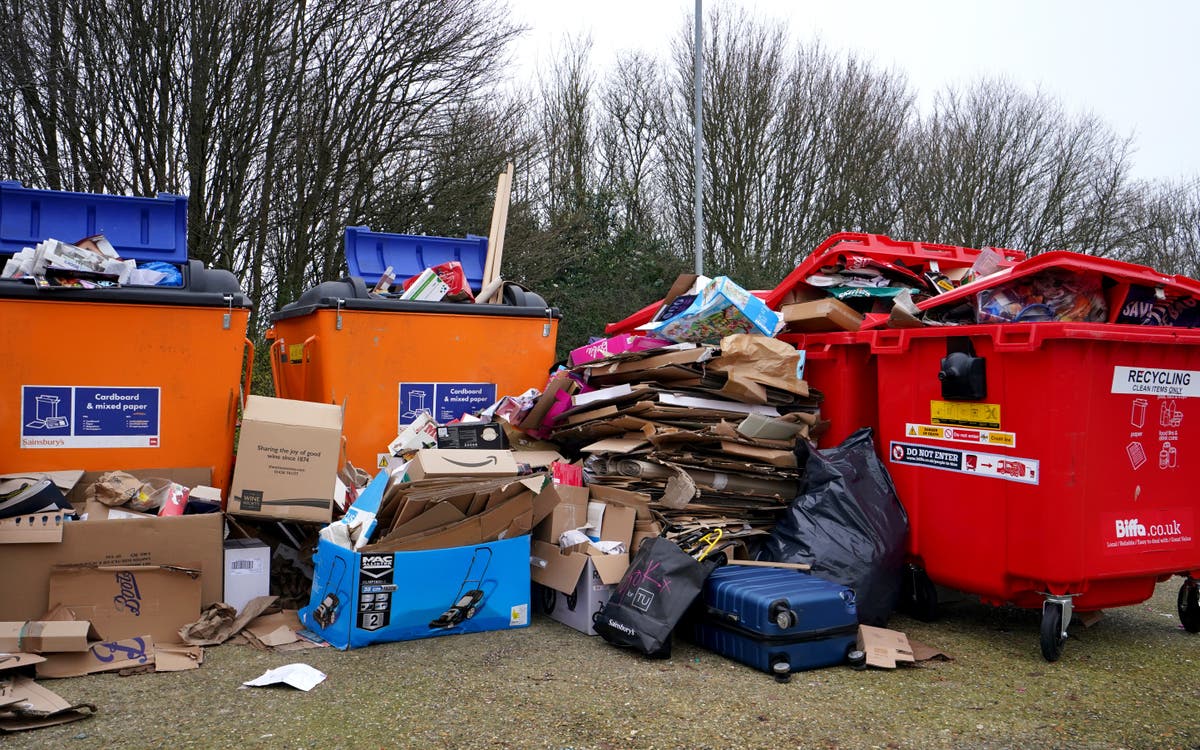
[570,512]
[186,541]
[583,576]
[364,598]
[39,637]
[604,348]
[575,586]
[821,315]
[429,463]
[472,436]
[128,601]
[247,571]
[722,308]
[884,648]
[287,460]
[36,528]
[467,576]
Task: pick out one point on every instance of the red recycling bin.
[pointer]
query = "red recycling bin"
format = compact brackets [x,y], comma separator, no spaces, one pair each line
[1042,464]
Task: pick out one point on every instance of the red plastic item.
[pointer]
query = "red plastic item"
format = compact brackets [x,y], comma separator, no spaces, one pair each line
[881,248]
[451,272]
[843,369]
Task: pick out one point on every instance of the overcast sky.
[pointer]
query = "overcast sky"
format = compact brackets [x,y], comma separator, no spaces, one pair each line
[1134,63]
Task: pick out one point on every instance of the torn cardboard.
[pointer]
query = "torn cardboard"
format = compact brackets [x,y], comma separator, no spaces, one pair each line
[128,601]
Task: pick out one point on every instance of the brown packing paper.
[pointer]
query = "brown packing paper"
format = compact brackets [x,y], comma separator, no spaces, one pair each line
[752,361]
[220,622]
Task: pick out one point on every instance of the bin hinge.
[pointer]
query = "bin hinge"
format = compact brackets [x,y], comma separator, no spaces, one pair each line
[227,320]
[549,323]
[338,323]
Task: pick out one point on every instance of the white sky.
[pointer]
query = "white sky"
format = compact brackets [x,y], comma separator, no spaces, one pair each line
[1134,63]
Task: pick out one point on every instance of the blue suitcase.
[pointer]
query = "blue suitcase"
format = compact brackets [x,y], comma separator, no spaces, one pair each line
[773,619]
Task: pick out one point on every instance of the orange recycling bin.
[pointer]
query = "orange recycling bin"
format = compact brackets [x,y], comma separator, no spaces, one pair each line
[118,378]
[386,360]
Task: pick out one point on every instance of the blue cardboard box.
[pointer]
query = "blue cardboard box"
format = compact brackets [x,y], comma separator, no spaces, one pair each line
[722,308]
[360,598]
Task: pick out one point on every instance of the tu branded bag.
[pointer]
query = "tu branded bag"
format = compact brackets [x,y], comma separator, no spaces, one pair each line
[656,591]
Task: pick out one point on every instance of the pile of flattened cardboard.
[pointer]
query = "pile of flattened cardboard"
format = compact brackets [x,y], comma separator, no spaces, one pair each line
[708,432]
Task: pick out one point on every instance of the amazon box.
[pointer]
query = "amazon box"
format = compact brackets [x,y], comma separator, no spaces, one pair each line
[287,461]
[431,463]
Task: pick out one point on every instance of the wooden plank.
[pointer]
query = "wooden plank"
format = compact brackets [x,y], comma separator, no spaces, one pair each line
[767,564]
[496,243]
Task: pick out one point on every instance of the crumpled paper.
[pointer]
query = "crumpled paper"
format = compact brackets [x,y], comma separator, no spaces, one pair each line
[220,622]
[113,488]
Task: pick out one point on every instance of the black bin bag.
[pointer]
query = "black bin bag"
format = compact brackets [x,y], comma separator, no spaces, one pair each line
[657,589]
[848,524]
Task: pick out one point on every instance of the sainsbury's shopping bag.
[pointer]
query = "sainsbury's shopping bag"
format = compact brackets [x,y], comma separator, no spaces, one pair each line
[660,584]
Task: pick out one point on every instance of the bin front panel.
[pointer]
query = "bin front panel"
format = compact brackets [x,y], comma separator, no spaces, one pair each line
[364,363]
[843,370]
[1072,475]
[117,386]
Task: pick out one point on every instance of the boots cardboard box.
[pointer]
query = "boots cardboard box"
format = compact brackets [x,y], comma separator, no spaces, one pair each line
[287,460]
[184,541]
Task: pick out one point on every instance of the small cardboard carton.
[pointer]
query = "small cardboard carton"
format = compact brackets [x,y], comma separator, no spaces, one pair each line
[821,315]
[39,637]
[570,512]
[191,541]
[884,648]
[287,460]
[128,601]
[429,463]
[472,436]
[720,309]
[604,348]
[247,571]
[578,580]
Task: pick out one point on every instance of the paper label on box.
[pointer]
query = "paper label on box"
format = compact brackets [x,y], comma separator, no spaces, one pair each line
[245,567]
[445,402]
[89,417]
[519,615]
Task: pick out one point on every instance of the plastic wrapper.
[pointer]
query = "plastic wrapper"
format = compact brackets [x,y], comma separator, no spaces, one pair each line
[848,524]
[1052,295]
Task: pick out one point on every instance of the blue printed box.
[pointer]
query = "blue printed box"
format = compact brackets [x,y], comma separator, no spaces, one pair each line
[360,598]
[722,308]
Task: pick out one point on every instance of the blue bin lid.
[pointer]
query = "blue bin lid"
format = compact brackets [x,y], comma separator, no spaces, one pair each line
[368,254]
[138,228]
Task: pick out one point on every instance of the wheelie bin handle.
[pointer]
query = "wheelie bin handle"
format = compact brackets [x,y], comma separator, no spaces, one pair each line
[277,357]
[248,370]
[304,360]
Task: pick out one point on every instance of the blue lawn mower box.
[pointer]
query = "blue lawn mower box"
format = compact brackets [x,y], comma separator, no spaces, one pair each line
[364,598]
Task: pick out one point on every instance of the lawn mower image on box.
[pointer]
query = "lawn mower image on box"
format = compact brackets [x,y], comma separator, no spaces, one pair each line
[469,600]
[326,612]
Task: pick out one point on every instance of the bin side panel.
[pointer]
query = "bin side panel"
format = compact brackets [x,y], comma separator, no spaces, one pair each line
[162,384]
[363,364]
[1076,480]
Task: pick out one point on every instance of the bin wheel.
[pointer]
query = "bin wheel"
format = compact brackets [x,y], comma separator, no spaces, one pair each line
[1052,631]
[920,595]
[1189,606]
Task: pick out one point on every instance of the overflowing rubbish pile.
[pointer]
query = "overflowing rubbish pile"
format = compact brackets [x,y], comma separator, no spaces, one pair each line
[738,468]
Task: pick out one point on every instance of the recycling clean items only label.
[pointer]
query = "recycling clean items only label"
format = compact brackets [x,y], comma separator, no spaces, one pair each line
[60,416]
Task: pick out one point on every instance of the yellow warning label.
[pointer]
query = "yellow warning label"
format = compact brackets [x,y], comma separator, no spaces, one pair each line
[967,414]
[295,352]
[977,435]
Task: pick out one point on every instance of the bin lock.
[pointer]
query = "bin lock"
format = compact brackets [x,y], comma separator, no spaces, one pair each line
[963,375]
[227,319]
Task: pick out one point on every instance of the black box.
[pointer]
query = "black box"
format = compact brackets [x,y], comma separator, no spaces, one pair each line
[472,435]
